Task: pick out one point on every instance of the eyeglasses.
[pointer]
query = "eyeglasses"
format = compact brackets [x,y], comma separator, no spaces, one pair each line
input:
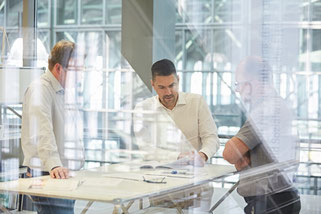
[76,68]
[238,84]
[155,180]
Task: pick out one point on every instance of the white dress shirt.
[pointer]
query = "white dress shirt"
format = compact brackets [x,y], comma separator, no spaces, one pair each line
[43,126]
[191,116]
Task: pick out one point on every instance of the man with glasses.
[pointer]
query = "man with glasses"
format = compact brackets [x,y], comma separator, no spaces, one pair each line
[263,143]
[43,127]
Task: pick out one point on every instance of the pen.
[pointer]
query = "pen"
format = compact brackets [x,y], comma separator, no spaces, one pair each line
[130,179]
[174,172]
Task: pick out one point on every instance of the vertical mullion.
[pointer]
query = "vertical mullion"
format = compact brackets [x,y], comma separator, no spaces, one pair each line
[104,4]
[184,59]
[319,96]
[212,69]
[52,22]
[5,14]
[219,81]
[78,18]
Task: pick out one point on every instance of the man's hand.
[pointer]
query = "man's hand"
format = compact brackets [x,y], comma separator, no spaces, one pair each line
[196,159]
[244,162]
[59,173]
[203,156]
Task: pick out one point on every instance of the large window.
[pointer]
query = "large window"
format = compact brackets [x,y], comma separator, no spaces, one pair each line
[211,38]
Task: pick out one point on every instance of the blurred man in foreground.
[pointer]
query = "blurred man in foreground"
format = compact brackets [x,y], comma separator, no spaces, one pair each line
[263,143]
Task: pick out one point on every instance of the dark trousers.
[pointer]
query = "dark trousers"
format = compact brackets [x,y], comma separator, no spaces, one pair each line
[46,205]
[287,202]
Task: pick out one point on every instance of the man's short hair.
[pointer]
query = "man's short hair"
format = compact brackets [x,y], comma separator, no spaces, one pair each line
[61,53]
[163,67]
[257,68]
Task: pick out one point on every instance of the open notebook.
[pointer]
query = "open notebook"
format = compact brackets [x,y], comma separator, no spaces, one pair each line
[178,164]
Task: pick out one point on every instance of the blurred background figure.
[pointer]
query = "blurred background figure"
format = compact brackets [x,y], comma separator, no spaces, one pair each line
[43,137]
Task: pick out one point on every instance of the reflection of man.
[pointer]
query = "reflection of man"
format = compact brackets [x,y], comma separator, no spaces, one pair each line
[43,127]
[264,139]
[189,112]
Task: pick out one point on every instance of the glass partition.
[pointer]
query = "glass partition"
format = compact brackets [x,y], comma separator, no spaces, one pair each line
[255,65]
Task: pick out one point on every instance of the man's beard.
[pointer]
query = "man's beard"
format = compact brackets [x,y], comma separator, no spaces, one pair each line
[166,97]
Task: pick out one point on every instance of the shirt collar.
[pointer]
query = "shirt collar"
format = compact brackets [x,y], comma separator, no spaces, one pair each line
[181,101]
[54,82]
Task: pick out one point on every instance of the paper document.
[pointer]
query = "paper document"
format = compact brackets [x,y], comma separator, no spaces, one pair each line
[54,184]
[178,164]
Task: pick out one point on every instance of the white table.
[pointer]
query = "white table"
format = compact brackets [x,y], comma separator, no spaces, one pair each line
[117,184]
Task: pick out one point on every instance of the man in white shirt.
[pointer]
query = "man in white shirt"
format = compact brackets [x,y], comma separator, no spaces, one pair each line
[189,112]
[43,127]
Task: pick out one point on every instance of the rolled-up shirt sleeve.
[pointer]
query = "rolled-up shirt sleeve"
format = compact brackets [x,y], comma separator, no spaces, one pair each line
[248,135]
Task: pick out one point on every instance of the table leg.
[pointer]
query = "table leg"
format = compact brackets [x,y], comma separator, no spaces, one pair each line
[125,210]
[4,210]
[129,205]
[141,204]
[179,210]
[224,196]
[116,209]
[87,207]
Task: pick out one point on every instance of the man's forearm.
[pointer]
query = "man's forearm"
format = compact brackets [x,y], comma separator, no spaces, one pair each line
[234,150]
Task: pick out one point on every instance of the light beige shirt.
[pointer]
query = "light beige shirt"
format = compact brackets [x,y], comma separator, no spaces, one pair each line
[192,117]
[43,126]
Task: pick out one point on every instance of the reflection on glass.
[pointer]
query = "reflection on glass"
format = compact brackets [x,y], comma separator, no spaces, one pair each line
[179,48]
[42,13]
[196,85]
[313,98]
[225,88]
[66,11]
[113,55]
[316,10]
[15,54]
[69,35]
[180,12]
[2,6]
[211,37]
[198,47]
[14,12]
[303,49]
[12,37]
[92,12]
[2,53]
[227,45]
[304,15]
[315,54]
[195,11]
[113,12]
[44,38]
[227,11]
